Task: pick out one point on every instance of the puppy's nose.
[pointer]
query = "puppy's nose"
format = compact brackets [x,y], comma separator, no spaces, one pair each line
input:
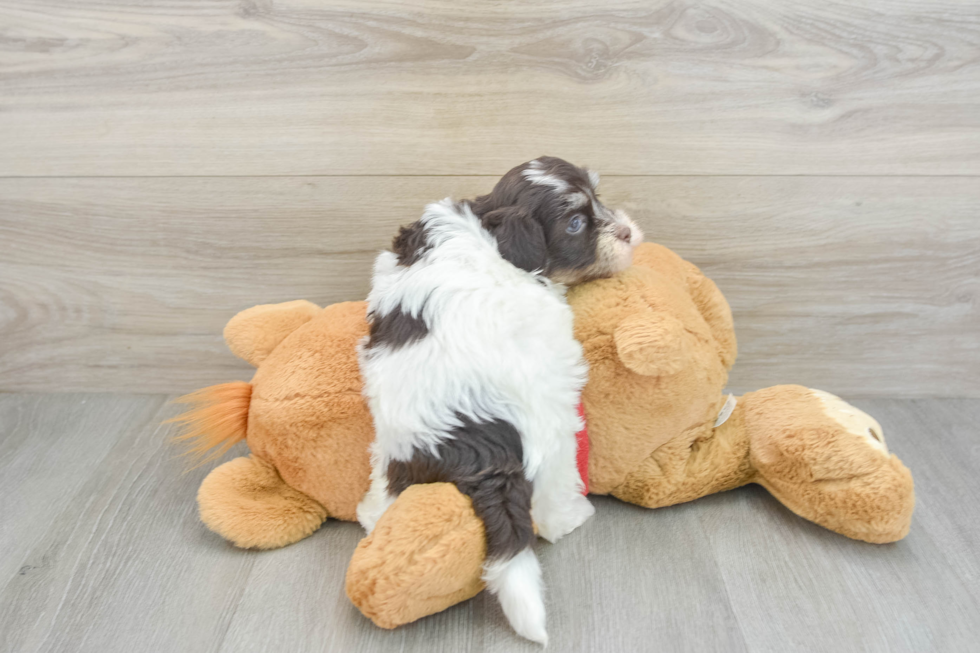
[623,232]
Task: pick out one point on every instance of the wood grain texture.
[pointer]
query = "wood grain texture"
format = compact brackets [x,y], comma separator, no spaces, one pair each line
[49,448]
[111,571]
[862,286]
[235,87]
[122,563]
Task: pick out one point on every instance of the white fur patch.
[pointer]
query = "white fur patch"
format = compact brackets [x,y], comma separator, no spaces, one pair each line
[377,499]
[594,179]
[518,586]
[636,234]
[577,200]
[557,516]
[612,254]
[536,174]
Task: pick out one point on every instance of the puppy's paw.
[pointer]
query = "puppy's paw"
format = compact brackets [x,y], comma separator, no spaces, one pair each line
[558,521]
[372,506]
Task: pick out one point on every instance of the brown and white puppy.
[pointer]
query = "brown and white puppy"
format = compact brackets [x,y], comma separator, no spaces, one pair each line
[471,369]
[572,237]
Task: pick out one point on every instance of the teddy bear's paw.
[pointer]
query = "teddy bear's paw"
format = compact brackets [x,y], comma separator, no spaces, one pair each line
[556,521]
[852,419]
[247,502]
[827,462]
[425,554]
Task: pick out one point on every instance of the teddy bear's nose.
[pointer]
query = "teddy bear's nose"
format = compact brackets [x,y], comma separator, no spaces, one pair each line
[623,232]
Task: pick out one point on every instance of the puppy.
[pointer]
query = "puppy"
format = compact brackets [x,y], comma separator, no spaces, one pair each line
[471,369]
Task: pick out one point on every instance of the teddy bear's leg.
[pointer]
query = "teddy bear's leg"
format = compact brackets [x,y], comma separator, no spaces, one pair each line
[425,554]
[703,460]
[253,333]
[827,462]
[246,502]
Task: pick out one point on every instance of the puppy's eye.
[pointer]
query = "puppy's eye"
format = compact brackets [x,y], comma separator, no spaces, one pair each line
[576,225]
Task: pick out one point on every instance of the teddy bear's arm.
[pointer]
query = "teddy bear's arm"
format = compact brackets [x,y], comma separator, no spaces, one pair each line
[715,311]
[255,332]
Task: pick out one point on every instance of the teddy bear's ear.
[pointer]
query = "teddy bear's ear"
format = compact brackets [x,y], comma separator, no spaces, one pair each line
[253,333]
[651,343]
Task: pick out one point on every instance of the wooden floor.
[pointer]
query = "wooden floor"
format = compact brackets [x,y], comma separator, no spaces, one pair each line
[103,552]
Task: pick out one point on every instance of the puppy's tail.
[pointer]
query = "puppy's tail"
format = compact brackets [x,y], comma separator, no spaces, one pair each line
[217,419]
[517,584]
[501,496]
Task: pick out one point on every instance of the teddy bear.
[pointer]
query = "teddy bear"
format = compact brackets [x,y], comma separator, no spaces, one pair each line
[659,340]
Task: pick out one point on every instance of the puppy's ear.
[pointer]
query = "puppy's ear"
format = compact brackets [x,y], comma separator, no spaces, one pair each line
[520,238]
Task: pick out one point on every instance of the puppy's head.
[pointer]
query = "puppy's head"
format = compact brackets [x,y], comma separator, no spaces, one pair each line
[546,215]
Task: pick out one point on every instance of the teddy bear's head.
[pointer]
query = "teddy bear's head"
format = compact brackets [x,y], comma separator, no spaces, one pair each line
[659,341]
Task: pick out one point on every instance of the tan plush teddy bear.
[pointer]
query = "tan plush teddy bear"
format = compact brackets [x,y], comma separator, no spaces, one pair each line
[659,341]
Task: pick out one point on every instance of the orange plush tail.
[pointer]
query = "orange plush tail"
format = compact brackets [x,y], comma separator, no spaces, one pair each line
[216,420]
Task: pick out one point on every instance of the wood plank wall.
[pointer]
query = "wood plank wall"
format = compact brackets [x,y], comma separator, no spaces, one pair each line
[164,164]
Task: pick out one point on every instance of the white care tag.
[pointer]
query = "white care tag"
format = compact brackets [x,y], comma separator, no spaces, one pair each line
[726,410]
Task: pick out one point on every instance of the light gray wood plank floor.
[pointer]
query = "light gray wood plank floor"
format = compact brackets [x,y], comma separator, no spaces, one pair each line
[102,551]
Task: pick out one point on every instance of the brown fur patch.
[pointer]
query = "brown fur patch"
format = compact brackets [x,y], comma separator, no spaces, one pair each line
[485,461]
[410,243]
[396,329]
